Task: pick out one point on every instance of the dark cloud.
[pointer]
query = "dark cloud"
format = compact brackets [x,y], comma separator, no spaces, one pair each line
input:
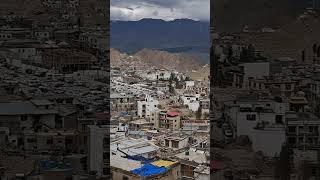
[160,9]
[155,13]
[130,8]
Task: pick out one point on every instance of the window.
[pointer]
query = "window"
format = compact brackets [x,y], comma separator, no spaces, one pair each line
[68,141]
[175,144]
[288,86]
[49,141]
[292,140]
[24,118]
[251,117]
[301,129]
[167,143]
[313,129]
[125,178]
[279,119]
[31,140]
[301,140]
[292,129]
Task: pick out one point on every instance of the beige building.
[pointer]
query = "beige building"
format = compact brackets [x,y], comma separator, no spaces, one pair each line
[170,120]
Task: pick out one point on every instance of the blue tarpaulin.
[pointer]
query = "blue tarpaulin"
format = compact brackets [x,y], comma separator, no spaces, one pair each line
[149,170]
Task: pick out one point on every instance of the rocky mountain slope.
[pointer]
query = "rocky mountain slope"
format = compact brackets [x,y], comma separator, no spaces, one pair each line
[160,59]
[301,34]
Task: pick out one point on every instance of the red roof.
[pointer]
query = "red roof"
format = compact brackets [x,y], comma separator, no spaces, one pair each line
[173,113]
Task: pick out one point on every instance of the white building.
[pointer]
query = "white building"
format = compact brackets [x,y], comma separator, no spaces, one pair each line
[156,75]
[147,106]
[255,70]
[263,121]
[192,101]
[269,140]
[189,85]
[246,114]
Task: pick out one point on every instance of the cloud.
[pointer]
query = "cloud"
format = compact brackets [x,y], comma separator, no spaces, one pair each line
[160,9]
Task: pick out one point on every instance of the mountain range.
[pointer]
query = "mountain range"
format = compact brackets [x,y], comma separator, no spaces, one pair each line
[176,36]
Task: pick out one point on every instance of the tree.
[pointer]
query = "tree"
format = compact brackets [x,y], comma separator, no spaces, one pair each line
[199,113]
[172,77]
[172,89]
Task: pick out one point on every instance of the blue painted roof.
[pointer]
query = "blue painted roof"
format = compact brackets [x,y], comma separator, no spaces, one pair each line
[149,170]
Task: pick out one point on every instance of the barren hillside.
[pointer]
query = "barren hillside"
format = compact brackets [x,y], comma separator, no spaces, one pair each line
[162,59]
[291,39]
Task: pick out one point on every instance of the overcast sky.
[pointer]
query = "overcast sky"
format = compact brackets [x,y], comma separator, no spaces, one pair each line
[160,9]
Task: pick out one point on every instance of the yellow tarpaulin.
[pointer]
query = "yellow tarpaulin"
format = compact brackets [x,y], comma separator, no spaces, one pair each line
[163,163]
